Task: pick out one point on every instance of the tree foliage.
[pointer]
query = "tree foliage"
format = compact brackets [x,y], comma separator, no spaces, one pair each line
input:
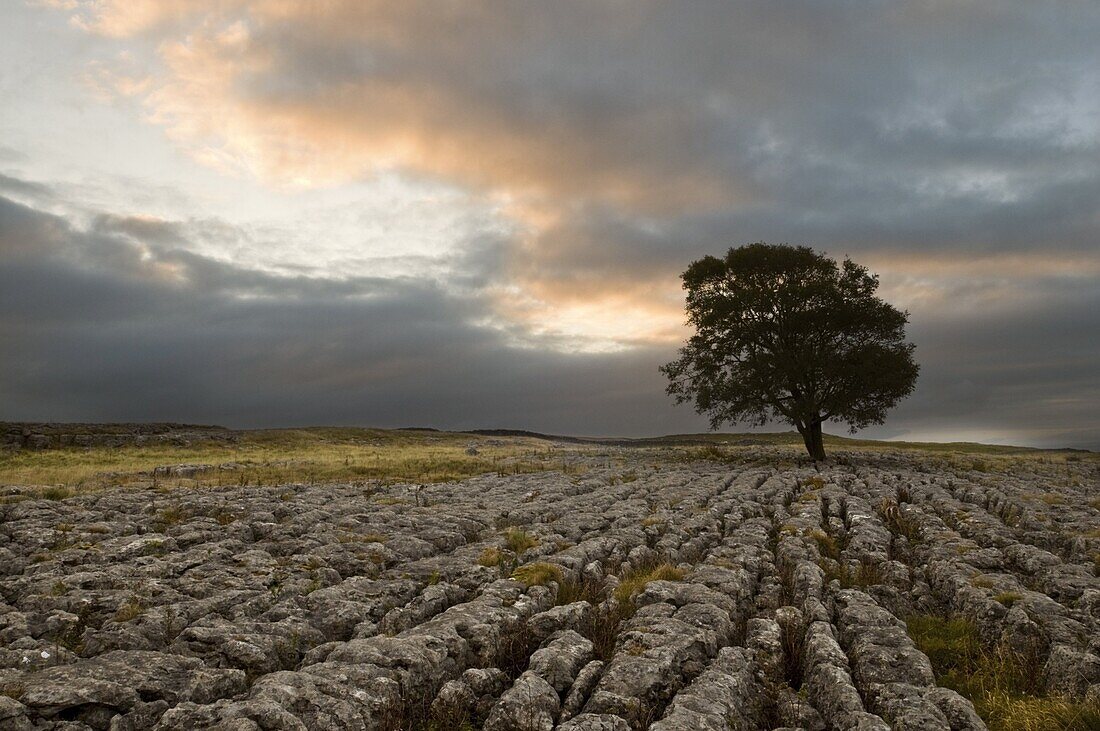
[783,333]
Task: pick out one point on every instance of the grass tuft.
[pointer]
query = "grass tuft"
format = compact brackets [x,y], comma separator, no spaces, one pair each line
[540,573]
[518,540]
[868,573]
[1005,686]
[897,521]
[491,557]
[1008,598]
[826,544]
[635,580]
[132,609]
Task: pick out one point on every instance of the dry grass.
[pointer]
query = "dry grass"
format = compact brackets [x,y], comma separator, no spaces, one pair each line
[132,609]
[282,456]
[635,581]
[491,557]
[1005,687]
[1008,598]
[826,544]
[867,573]
[538,574]
[518,540]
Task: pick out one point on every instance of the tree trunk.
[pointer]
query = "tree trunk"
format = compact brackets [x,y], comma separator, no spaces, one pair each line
[811,435]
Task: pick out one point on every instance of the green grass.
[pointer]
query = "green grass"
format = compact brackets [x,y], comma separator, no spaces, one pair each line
[1005,687]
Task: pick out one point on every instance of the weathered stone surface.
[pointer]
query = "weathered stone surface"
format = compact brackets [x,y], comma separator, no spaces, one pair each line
[531,703]
[358,607]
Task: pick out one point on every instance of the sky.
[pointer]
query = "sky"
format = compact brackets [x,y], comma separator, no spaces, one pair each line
[464,214]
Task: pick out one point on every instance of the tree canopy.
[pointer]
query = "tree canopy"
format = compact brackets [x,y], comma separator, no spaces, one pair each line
[783,333]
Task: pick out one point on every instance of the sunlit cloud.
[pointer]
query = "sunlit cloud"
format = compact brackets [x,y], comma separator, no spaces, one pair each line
[551,168]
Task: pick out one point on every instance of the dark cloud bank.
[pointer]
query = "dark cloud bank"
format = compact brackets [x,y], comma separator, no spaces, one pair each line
[114,322]
[955,146]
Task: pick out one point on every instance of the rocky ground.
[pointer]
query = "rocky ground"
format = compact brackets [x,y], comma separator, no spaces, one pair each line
[639,595]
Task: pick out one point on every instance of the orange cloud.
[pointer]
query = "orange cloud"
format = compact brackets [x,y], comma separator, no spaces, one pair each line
[249,88]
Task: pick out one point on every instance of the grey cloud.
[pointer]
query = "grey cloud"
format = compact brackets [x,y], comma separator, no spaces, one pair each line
[653,133]
[101,336]
[110,341]
[15,186]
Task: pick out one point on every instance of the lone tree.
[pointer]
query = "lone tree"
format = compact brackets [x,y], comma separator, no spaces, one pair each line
[784,333]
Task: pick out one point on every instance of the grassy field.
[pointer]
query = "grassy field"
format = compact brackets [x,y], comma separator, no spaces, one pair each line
[279,456]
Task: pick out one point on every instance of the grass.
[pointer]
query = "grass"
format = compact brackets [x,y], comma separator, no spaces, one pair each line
[582,589]
[132,609]
[1005,687]
[635,581]
[491,557]
[897,522]
[868,573]
[518,540]
[538,574]
[1008,598]
[282,456]
[312,455]
[826,544]
[362,538]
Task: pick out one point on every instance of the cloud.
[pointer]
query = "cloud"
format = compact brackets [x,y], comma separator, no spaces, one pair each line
[119,321]
[111,322]
[951,146]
